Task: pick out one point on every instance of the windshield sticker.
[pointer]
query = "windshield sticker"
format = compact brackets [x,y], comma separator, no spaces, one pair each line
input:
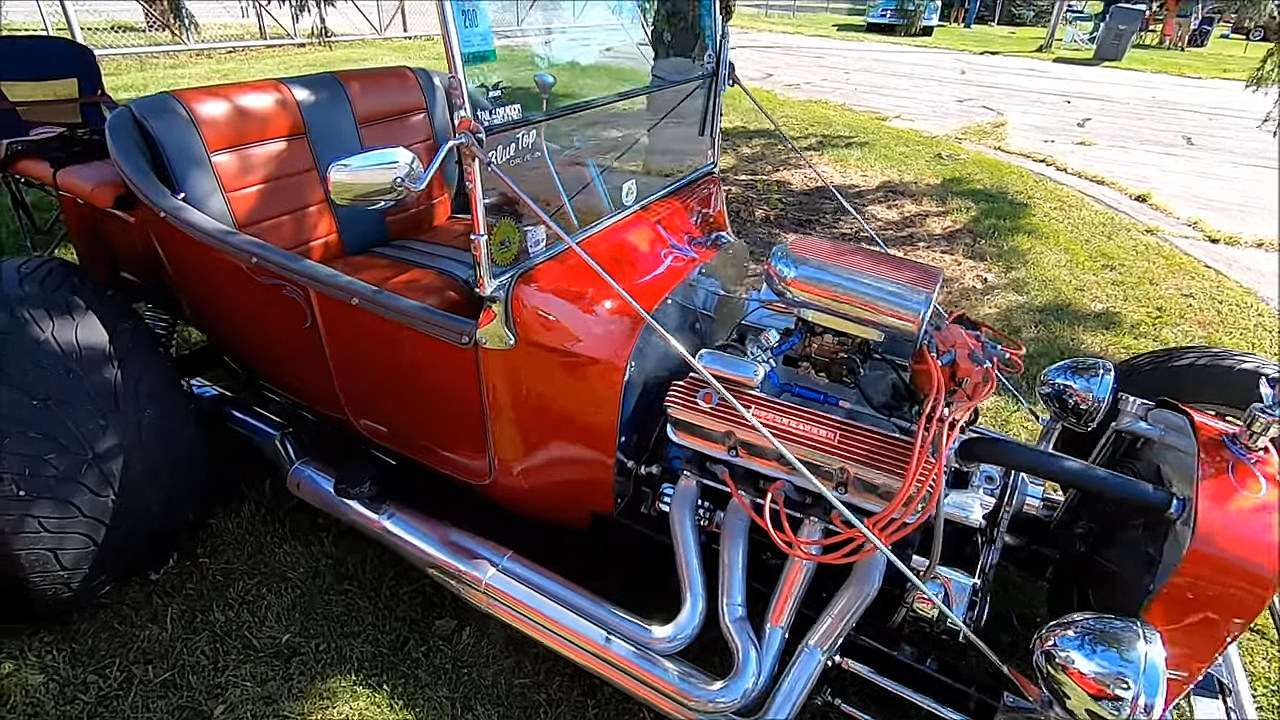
[504,242]
[535,238]
[500,114]
[517,152]
[475,32]
[494,92]
[629,192]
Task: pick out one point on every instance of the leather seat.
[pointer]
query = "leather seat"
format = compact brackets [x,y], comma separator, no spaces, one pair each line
[97,183]
[252,156]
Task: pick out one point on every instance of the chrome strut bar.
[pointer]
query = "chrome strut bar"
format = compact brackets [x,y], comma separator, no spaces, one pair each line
[811,482]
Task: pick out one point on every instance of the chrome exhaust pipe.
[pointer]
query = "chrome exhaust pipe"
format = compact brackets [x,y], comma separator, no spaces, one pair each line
[824,638]
[476,569]
[630,653]
[664,639]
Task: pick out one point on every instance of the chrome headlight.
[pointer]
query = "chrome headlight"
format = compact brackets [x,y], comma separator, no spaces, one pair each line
[1101,667]
[1078,392]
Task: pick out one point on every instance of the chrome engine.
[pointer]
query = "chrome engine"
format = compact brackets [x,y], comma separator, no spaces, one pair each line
[822,360]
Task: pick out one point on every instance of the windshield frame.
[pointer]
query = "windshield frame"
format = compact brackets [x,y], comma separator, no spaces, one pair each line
[489,284]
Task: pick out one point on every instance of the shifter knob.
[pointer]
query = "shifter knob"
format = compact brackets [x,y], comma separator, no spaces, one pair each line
[1078,392]
[545,82]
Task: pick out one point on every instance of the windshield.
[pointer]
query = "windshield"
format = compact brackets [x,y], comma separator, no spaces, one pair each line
[591,107]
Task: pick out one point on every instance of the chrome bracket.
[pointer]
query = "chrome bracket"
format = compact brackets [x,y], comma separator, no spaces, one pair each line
[493,329]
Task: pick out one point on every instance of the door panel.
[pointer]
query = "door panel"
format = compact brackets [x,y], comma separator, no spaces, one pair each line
[414,393]
[255,315]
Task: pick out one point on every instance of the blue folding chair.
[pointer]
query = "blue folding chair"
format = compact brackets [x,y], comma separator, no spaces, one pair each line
[44,81]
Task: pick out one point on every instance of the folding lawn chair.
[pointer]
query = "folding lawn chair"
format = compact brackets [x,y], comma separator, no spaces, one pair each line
[1075,33]
[47,84]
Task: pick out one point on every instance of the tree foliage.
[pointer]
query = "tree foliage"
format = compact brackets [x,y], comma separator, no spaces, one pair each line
[1266,79]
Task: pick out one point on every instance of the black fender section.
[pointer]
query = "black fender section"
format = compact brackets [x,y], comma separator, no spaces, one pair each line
[701,312]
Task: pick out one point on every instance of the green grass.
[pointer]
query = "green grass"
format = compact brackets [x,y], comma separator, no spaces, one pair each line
[1231,58]
[277,613]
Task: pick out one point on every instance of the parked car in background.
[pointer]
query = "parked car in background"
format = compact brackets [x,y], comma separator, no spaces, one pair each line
[1258,29]
[899,13]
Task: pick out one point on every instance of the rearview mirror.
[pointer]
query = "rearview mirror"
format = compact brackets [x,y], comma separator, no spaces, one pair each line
[381,177]
[376,179]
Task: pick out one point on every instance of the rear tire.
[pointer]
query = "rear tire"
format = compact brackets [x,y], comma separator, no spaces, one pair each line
[926,31]
[103,463]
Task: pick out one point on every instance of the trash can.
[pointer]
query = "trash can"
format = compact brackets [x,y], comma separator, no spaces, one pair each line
[1118,32]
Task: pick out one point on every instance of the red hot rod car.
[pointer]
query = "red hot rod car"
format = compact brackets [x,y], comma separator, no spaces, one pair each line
[520,273]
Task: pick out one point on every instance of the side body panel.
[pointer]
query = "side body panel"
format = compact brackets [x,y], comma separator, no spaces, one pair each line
[554,399]
[1230,568]
[111,246]
[404,389]
[257,316]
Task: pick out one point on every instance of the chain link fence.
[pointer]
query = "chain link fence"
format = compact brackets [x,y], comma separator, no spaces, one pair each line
[120,27]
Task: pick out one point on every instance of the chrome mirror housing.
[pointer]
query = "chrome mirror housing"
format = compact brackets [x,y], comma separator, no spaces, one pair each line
[376,179]
[1078,392]
[1093,666]
[379,178]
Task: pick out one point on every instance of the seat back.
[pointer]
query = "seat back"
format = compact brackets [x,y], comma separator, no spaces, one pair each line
[253,155]
[47,80]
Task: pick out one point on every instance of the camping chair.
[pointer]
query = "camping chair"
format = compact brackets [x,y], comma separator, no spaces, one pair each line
[46,82]
[1075,33]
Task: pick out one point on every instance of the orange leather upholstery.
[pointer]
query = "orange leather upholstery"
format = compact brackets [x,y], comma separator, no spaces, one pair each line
[257,143]
[97,183]
[34,168]
[387,115]
[426,286]
[253,155]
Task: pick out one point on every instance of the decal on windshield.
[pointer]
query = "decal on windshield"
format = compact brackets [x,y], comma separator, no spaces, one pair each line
[475,32]
[518,151]
[629,192]
[504,242]
[535,238]
[500,114]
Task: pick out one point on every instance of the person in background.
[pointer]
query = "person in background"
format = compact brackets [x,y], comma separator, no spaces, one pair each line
[1189,12]
[957,12]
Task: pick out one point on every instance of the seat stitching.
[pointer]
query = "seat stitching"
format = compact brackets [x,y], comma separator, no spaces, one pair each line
[256,143]
[401,116]
[298,209]
[270,180]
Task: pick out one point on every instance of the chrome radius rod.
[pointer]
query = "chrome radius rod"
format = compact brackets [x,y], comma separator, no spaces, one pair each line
[474,147]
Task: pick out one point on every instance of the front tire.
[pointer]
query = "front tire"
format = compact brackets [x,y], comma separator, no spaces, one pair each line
[103,462]
[1258,34]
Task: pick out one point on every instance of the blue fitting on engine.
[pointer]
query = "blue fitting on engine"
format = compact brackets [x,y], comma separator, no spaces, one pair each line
[790,343]
[772,381]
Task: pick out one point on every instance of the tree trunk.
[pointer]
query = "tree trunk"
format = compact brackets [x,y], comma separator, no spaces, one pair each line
[156,16]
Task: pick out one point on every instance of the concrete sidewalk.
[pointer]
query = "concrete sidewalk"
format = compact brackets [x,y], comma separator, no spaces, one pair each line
[1194,144]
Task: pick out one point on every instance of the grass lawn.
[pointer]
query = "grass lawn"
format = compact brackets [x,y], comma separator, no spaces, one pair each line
[274,612]
[1232,58]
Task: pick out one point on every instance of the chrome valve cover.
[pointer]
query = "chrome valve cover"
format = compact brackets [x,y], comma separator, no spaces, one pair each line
[862,464]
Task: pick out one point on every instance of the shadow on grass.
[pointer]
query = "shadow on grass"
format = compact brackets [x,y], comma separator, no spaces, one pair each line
[953,224]
[1087,62]
[279,612]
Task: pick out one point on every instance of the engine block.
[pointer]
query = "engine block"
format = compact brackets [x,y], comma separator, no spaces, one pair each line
[864,465]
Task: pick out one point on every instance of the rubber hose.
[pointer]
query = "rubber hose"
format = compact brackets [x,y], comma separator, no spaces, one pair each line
[1065,471]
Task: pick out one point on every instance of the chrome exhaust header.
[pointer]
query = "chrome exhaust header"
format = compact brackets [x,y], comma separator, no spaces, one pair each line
[477,570]
[633,654]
